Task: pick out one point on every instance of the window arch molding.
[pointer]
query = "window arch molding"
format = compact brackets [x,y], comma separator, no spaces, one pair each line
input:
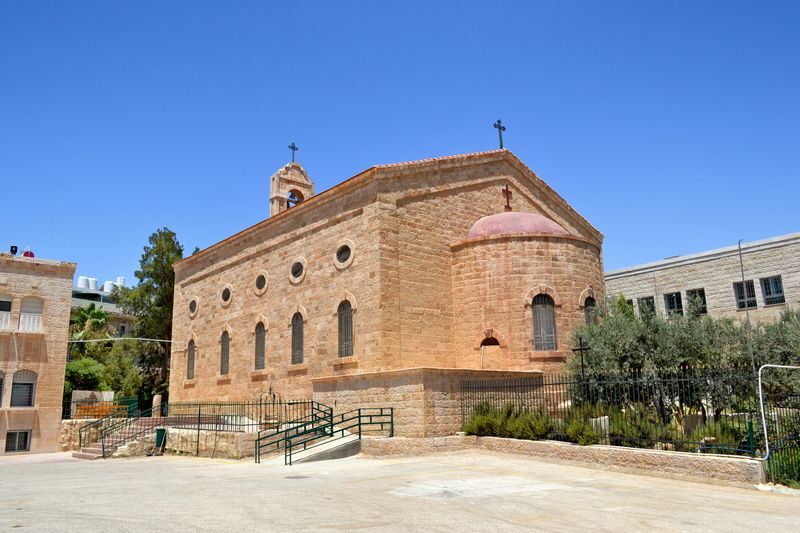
[542,288]
[489,333]
[588,292]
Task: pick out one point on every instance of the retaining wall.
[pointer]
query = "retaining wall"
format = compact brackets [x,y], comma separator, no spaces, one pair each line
[696,467]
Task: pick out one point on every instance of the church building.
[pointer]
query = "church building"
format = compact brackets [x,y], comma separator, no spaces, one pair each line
[388,290]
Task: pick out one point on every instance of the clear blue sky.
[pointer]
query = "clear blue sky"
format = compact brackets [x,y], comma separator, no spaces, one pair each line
[674,127]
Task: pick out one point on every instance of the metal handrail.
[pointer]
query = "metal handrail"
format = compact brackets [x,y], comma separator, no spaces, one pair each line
[320,414]
[357,419]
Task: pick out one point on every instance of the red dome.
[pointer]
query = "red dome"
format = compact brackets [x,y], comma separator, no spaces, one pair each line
[514,222]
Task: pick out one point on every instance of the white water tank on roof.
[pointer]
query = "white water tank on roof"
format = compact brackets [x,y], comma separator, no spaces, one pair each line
[120,281]
[83,282]
[92,284]
[108,286]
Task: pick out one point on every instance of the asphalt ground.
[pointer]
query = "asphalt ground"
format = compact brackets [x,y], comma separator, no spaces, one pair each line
[473,491]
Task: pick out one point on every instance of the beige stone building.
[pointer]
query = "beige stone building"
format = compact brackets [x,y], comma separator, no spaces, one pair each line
[34,326]
[387,289]
[771,281]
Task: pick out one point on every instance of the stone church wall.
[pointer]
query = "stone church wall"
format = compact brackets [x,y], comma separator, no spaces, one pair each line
[493,282]
[311,239]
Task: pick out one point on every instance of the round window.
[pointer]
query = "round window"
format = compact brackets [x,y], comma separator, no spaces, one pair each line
[261,282]
[226,294]
[297,269]
[343,253]
[193,306]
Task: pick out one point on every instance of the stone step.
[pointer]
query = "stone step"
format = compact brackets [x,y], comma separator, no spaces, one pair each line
[96,450]
[87,456]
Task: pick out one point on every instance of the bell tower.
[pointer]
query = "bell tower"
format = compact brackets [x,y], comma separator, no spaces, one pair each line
[288,187]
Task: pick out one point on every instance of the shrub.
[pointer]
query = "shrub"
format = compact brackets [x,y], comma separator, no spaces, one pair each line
[508,422]
[637,427]
[729,437]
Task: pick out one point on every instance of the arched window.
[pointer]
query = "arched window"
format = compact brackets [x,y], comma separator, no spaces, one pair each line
[190,360]
[544,323]
[345,313]
[30,314]
[297,339]
[588,310]
[224,352]
[23,390]
[261,346]
[490,341]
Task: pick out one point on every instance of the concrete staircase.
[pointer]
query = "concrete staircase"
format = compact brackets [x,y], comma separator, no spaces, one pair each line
[128,432]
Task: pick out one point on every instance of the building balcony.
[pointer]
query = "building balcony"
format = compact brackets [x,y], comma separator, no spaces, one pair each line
[30,322]
[5,320]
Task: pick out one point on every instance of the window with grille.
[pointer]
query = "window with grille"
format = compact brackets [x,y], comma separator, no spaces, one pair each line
[23,389]
[745,294]
[224,353]
[190,360]
[673,304]
[647,306]
[544,323]
[18,441]
[261,346]
[345,313]
[697,301]
[297,339]
[589,309]
[772,289]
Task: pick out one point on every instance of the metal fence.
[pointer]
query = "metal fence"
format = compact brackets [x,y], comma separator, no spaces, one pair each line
[90,409]
[782,414]
[248,416]
[695,410]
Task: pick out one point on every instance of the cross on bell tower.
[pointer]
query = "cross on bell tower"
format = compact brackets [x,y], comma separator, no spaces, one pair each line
[293,147]
[507,193]
[500,130]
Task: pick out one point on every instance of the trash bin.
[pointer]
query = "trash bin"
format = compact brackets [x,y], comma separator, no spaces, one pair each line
[161,438]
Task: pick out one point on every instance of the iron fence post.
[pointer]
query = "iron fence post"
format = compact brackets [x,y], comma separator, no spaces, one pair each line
[197,443]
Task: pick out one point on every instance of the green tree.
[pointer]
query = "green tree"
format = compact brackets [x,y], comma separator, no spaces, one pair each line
[150,302]
[121,373]
[87,323]
[84,374]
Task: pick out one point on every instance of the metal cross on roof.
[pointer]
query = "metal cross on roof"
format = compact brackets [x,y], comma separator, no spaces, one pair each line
[293,147]
[500,130]
[507,193]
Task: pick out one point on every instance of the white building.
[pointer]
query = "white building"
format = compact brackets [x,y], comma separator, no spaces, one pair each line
[771,280]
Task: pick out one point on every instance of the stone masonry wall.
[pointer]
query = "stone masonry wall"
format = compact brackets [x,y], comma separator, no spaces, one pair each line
[696,467]
[400,221]
[312,240]
[426,401]
[493,282]
[716,272]
[42,352]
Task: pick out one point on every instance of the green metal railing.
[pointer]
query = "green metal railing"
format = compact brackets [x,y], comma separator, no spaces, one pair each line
[318,420]
[129,429]
[356,422]
[322,427]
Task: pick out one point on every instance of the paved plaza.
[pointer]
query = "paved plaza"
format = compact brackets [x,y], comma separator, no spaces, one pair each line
[468,492]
